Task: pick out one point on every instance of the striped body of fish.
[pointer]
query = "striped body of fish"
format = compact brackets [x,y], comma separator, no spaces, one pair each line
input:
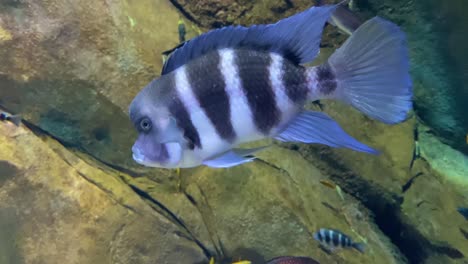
[235,85]
[334,239]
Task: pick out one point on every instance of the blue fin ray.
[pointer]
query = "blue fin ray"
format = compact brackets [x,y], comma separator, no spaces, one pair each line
[372,67]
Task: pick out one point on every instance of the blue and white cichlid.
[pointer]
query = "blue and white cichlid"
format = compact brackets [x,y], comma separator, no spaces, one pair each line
[332,240]
[239,84]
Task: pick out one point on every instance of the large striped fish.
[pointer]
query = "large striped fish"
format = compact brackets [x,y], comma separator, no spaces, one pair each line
[239,84]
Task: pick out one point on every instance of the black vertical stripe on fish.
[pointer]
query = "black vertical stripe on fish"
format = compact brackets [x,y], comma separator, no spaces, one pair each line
[295,81]
[208,85]
[344,241]
[254,76]
[180,113]
[319,236]
[327,236]
[335,239]
[326,79]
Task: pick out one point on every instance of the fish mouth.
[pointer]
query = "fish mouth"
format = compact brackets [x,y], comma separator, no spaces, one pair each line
[165,155]
[139,158]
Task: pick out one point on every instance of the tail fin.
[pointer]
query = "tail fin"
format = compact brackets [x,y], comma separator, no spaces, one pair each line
[359,246]
[372,71]
[15,119]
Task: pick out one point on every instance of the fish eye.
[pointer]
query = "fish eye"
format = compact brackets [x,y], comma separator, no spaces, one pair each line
[145,124]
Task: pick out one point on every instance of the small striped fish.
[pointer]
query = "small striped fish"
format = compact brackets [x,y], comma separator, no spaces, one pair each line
[15,119]
[334,239]
[463,211]
[240,84]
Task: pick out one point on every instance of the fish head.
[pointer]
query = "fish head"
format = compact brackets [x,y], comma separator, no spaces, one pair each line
[316,236]
[160,141]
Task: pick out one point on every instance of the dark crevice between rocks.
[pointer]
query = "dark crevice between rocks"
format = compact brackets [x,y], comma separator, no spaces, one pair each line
[281,170]
[163,210]
[70,146]
[409,183]
[217,243]
[159,207]
[191,199]
[464,233]
[108,192]
[184,12]
[385,206]
[41,133]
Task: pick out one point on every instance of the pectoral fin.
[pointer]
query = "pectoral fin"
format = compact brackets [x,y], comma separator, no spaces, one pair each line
[232,158]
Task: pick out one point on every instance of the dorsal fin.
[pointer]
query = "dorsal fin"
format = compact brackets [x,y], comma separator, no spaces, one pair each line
[296,37]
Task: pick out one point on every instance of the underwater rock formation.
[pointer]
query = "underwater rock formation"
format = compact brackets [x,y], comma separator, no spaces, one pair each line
[209,13]
[56,207]
[59,206]
[73,67]
[410,204]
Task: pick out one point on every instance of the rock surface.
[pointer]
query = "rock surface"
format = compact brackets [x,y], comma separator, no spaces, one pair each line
[410,204]
[58,208]
[73,67]
[55,201]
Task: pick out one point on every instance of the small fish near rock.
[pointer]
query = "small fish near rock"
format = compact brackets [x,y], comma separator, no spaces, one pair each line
[463,211]
[15,119]
[332,240]
[292,260]
[235,85]
[345,20]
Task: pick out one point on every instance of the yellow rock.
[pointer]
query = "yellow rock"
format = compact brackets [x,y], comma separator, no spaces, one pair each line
[5,35]
[56,207]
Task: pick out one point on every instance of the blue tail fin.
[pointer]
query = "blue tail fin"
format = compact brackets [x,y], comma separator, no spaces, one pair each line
[372,70]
